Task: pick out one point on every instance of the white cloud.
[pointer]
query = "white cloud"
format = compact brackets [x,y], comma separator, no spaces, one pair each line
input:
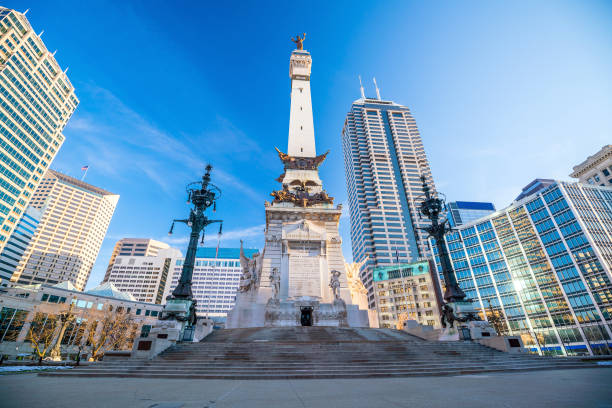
[123,143]
[212,237]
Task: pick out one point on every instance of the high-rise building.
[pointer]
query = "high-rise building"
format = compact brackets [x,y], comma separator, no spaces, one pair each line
[407,291]
[17,243]
[463,212]
[36,101]
[216,277]
[66,243]
[543,265]
[384,159]
[134,247]
[143,276]
[596,169]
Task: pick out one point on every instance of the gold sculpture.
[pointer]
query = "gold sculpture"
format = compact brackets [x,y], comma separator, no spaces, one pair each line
[299,41]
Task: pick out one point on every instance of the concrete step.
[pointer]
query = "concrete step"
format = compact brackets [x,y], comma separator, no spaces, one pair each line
[320,352]
[279,368]
[306,375]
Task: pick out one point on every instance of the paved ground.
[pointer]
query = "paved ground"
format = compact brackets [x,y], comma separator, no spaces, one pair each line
[590,387]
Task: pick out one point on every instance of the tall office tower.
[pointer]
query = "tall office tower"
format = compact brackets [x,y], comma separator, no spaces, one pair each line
[66,243]
[383,160]
[596,169]
[143,276]
[18,243]
[216,277]
[36,101]
[544,266]
[463,212]
[134,247]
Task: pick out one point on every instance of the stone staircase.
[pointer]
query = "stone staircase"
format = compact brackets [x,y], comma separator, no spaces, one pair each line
[320,352]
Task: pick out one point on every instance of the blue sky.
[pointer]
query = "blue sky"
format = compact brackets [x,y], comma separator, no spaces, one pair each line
[502,92]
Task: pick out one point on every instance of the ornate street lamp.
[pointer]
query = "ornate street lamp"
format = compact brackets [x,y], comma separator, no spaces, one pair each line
[202,194]
[456,307]
[431,208]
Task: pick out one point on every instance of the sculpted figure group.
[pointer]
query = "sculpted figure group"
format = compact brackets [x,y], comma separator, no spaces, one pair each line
[301,197]
[251,270]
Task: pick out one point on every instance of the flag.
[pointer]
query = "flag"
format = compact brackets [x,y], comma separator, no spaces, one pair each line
[84,168]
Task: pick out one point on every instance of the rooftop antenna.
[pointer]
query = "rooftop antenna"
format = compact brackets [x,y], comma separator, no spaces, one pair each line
[26,12]
[377,90]
[361,86]
[41,33]
[53,55]
[66,70]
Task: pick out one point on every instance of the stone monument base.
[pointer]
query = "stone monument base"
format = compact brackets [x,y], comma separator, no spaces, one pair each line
[302,311]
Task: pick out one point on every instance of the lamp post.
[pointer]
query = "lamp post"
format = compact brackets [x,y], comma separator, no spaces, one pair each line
[431,208]
[203,195]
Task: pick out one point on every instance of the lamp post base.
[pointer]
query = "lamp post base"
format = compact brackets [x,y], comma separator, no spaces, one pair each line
[183,312]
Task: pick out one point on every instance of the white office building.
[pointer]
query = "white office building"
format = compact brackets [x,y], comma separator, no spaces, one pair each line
[66,243]
[215,280]
[134,247]
[144,277]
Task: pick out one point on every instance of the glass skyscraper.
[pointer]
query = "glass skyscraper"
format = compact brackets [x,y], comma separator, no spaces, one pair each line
[18,243]
[463,212]
[384,159]
[543,267]
[36,101]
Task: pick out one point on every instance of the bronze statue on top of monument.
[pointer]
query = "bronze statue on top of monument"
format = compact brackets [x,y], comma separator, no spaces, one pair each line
[299,41]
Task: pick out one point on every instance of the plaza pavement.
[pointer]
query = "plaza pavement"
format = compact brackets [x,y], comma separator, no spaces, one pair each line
[590,387]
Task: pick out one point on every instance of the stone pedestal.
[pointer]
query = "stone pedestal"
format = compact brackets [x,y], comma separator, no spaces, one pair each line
[178,311]
[165,334]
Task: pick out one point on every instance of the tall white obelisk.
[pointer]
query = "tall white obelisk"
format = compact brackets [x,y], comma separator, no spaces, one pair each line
[301,126]
[300,278]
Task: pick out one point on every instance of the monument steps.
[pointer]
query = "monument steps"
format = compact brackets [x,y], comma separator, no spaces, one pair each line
[320,352]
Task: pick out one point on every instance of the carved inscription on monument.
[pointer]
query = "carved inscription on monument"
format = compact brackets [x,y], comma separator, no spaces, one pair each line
[304,265]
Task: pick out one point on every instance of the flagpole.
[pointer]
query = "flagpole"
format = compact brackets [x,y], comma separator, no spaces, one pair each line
[84,174]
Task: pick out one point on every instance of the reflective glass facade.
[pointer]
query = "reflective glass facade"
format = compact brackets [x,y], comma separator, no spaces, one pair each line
[384,159]
[18,243]
[36,101]
[544,264]
[463,212]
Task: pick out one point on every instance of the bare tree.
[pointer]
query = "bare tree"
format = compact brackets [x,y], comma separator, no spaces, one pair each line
[112,332]
[41,334]
[401,320]
[63,319]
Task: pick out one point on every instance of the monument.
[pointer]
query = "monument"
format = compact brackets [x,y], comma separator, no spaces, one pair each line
[299,278]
